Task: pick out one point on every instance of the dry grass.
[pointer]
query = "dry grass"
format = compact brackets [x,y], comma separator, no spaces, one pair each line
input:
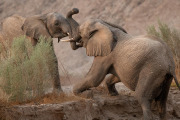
[3,96]
[51,99]
[26,71]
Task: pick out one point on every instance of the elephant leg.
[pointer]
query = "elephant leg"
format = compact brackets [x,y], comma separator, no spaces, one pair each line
[162,98]
[144,93]
[34,41]
[56,79]
[149,86]
[95,76]
[145,103]
[110,82]
[146,107]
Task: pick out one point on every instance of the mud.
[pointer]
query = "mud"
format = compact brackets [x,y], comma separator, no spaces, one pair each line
[100,106]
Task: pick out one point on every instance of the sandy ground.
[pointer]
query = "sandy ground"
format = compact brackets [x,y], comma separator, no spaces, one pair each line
[98,106]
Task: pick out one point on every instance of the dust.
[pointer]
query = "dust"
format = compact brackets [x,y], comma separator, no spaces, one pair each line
[49,98]
[53,99]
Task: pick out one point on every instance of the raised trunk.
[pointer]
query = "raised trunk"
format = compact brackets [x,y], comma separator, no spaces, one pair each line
[74,27]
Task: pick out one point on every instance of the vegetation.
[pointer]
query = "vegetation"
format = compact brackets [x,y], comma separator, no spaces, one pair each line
[26,71]
[172,37]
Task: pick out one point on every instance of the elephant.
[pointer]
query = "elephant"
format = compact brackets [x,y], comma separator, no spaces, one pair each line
[143,63]
[50,25]
[11,28]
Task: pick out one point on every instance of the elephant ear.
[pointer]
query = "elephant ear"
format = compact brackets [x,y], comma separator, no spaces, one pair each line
[101,43]
[35,27]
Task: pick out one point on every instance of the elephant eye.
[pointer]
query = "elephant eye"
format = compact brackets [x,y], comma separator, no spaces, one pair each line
[92,33]
[56,23]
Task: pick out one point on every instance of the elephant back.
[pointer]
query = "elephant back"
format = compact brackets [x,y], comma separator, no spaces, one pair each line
[11,27]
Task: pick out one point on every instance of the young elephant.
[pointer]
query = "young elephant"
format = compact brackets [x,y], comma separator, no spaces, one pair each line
[143,63]
[51,25]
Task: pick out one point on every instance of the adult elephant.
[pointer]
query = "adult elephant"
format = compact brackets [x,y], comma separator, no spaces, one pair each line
[143,63]
[50,25]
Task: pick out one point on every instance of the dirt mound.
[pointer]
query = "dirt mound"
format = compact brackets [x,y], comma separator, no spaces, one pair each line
[99,107]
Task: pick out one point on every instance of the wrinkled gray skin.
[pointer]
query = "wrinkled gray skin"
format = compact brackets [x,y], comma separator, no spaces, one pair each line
[143,63]
[52,25]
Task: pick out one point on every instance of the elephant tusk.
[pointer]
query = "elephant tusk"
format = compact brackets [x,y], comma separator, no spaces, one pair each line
[68,33]
[68,40]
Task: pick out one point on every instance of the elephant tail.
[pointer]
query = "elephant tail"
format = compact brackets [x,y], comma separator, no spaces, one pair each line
[172,72]
[176,81]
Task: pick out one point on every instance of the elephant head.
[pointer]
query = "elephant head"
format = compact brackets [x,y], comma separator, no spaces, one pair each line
[97,37]
[51,25]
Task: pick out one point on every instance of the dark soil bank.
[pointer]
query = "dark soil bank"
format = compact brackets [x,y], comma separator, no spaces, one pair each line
[99,107]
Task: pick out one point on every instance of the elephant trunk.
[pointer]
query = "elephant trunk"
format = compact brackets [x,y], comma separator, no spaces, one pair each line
[72,12]
[74,27]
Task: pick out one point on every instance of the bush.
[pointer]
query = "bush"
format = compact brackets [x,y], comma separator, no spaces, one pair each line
[26,71]
[171,37]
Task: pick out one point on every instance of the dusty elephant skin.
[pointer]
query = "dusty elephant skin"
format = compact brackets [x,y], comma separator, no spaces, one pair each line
[143,63]
[51,25]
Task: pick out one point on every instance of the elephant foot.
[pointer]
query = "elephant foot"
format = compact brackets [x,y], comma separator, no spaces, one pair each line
[86,94]
[76,91]
[57,92]
[112,91]
[163,116]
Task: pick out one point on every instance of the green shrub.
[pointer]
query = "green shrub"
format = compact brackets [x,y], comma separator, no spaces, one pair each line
[172,37]
[27,71]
